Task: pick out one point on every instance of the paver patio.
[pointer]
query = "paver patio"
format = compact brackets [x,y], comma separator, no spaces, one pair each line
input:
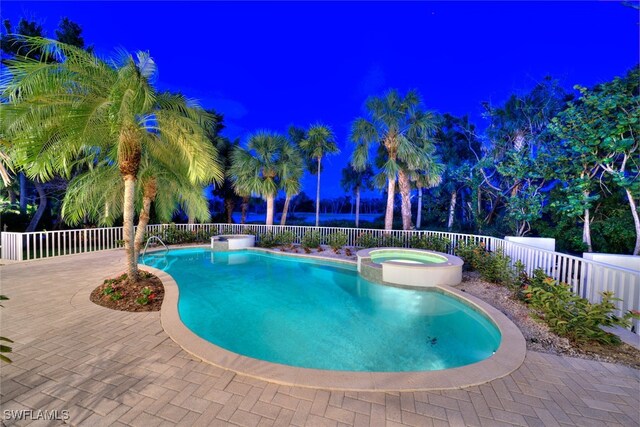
[114,368]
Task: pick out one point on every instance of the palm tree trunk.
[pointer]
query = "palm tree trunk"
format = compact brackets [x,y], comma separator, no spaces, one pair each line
[357,206]
[12,195]
[405,193]
[391,192]
[245,207]
[452,209]
[419,214]
[318,194]
[150,190]
[229,205]
[127,227]
[285,210]
[142,225]
[23,193]
[636,220]
[269,219]
[42,206]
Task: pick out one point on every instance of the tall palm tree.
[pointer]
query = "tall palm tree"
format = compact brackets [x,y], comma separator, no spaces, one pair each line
[291,175]
[260,167]
[225,190]
[427,175]
[58,111]
[396,125]
[320,141]
[353,180]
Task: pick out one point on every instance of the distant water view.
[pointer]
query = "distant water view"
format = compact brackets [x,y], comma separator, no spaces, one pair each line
[308,217]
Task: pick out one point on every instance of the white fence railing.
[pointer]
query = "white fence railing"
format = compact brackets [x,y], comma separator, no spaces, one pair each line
[586,277]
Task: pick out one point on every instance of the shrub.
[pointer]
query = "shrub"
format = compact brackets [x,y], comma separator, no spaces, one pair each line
[496,267]
[521,281]
[286,238]
[432,243]
[366,240]
[227,229]
[267,240]
[493,267]
[572,316]
[470,253]
[337,240]
[392,241]
[172,235]
[311,239]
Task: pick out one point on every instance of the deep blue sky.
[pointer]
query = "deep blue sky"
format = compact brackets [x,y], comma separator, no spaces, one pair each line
[268,65]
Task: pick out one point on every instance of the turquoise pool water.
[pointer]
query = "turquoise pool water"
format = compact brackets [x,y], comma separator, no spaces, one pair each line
[382,255]
[321,315]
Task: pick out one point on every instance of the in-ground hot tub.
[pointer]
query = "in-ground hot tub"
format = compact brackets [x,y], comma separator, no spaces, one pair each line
[230,242]
[409,267]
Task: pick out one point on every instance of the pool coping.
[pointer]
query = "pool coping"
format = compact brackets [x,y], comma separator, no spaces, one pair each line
[449,260]
[509,356]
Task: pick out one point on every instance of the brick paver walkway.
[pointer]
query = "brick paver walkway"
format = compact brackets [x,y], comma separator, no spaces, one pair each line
[113,368]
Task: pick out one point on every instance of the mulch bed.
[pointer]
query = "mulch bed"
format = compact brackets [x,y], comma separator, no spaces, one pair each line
[120,294]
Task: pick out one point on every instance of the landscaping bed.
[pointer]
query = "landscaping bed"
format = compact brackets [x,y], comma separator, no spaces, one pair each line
[119,294]
[537,334]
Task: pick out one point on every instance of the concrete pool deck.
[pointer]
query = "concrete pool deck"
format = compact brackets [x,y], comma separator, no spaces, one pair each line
[115,368]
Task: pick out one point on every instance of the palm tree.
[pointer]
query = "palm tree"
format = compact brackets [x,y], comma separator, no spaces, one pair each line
[225,190]
[97,195]
[427,176]
[291,175]
[59,111]
[396,124]
[319,141]
[260,167]
[353,180]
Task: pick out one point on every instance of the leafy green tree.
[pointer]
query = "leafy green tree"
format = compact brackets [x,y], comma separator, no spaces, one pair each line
[261,167]
[460,149]
[12,42]
[516,168]
[601,130]
[354,180]
[395,125]
[60,111]
[576,166]
[70,33]
[319,142]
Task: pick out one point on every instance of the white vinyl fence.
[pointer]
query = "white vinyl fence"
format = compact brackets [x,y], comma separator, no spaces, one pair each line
[587,278]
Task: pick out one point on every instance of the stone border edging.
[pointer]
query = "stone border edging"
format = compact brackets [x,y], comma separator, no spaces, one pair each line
[509,356]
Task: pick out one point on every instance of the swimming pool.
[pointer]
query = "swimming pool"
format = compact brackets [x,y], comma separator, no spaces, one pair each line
[322,315]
